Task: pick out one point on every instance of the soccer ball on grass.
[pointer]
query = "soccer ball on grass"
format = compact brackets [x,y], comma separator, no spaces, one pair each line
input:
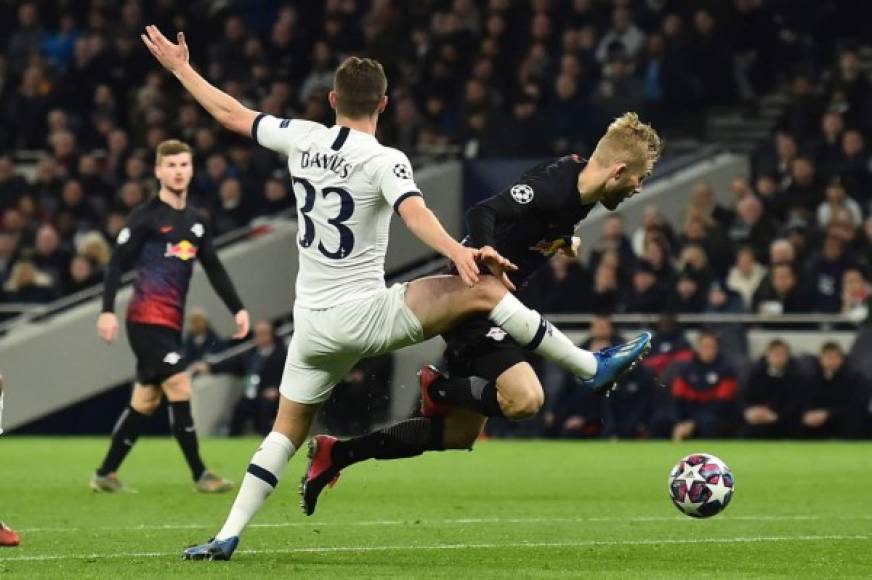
[701,485]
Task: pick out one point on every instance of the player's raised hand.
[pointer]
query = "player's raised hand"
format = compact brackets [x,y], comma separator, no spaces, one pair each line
[465,261]
[242,324]
[171,56]
[498,266]
[107,327]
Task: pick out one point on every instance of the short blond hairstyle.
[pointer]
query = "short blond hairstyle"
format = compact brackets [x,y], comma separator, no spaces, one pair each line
[172,147]
[629,140]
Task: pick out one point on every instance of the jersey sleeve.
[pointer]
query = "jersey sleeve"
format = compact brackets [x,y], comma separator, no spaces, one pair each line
[127,247]
[217,274]
[280,135]
[395,178]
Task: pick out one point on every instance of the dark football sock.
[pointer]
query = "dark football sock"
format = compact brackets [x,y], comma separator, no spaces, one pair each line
[182,425]
[127,430]
[472,393]
[404,439]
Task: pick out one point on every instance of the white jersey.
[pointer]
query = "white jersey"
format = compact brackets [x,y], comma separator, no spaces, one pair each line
[346,185]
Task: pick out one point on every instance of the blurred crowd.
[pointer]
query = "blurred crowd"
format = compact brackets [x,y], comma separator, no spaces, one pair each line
[485,78]
[796,237]
[707,388]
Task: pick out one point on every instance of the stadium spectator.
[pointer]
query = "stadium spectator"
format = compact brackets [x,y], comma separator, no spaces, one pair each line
[773,393]
[654,223]
[261,370]
[854,166]
[49,256]
[702,198]
[825,270]
[837,203]
[751,227]
[623,38]
[745,276]
[782,252]
[722,300]
[560,288]
[82,275]
[705,392]
[647,293]
[605,295]
[781,293]
[201,339]
[856,294]
[669,346]
[837,400]
[26,284]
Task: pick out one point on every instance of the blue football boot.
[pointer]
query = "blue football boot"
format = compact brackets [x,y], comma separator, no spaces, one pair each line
[616,361]
[212,550]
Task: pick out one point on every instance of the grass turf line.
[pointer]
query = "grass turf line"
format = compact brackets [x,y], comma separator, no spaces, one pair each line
[510,509]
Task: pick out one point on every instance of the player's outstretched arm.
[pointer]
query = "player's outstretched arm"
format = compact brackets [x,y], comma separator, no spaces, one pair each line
[427,228]
[174,57]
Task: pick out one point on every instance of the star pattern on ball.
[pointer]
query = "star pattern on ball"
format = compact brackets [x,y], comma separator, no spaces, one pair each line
[720,491]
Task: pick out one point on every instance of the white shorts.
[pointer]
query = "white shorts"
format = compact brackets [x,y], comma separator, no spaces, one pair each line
[327,343]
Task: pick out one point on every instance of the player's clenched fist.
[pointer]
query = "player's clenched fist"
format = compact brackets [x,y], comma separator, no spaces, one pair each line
[107,326]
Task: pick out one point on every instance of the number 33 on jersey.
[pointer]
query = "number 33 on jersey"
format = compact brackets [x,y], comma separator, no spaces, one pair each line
[347,185]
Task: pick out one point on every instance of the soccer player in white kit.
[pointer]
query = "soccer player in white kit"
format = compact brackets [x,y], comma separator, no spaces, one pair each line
[347,185]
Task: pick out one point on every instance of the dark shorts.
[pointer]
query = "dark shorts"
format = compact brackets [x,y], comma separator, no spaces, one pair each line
[476,347]
[158,352]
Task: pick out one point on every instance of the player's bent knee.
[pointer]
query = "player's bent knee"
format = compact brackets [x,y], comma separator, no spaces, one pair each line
[488,293]
[523,406]
[177,387]
[146,407]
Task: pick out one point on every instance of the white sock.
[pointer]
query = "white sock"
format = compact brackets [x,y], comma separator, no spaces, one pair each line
[261,478]
[533,332]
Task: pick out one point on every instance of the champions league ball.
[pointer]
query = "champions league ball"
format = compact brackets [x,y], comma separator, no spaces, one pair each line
[701,485]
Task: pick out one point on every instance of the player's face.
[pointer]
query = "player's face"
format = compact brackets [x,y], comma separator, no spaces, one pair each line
[624,184]
[175,172]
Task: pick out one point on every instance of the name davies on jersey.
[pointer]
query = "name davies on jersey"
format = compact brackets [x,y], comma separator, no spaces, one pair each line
[335,162]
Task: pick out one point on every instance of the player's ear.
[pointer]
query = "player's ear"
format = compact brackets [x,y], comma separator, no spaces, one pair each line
[331,98]
[619,170]
[382,104]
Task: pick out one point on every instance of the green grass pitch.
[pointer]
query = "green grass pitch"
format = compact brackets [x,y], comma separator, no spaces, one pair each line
[507,510]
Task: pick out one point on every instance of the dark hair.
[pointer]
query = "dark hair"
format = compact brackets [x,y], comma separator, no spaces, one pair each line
[777,343]
[360,83]
[832,346]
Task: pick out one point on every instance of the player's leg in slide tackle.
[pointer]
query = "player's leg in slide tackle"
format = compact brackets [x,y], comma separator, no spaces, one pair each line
[438,303]
[497,382]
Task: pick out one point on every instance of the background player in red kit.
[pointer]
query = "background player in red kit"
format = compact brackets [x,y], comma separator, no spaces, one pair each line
[164,235]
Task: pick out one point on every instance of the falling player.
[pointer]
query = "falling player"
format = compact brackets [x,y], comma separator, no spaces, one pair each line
[8,537]
[164,235]
[347,185]
[529,222]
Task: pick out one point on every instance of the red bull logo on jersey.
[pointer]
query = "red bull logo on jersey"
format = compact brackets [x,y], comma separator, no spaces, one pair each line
[549,247]
[184,251]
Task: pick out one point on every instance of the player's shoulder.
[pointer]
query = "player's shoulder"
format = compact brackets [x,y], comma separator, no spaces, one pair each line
[144,211]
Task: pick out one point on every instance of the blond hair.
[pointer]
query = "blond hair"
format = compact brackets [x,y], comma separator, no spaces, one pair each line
[629,140]
[172,147]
